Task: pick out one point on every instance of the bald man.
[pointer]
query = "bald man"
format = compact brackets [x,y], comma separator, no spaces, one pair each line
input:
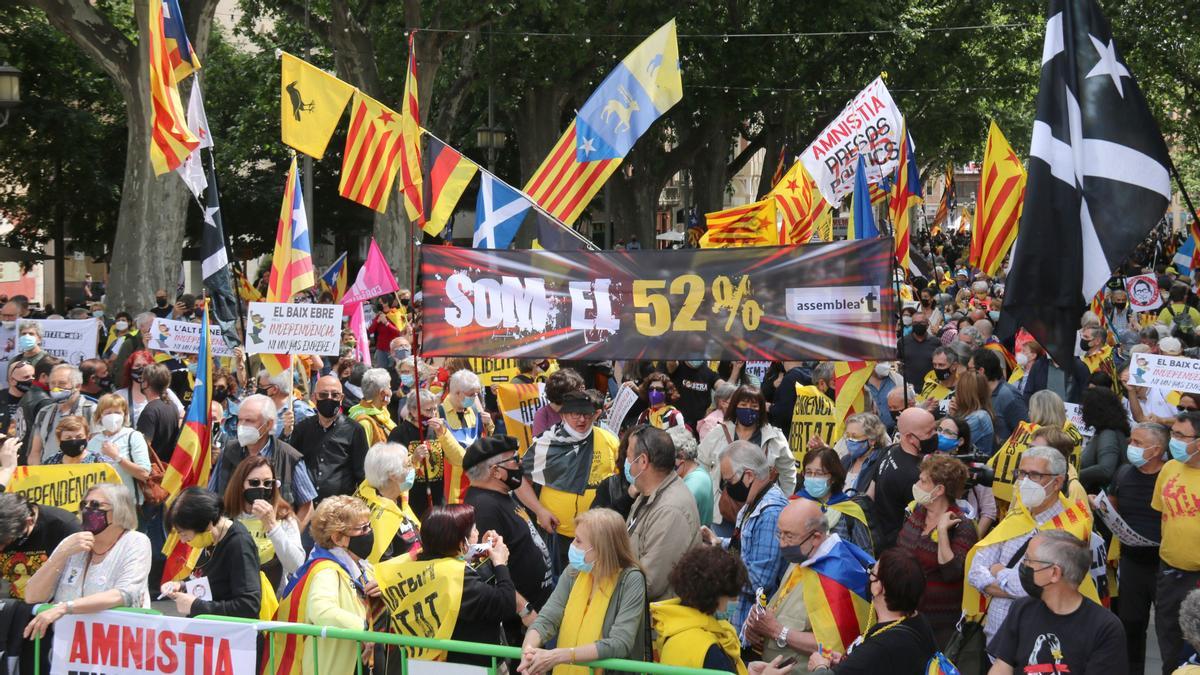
[333,445]
[899,470]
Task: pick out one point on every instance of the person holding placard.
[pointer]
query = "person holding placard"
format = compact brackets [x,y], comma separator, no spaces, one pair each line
[389,477]
[252,499]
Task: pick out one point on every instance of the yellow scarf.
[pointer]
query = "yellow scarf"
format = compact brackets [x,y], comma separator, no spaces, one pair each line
[684,636]
[583,617]
[386,519]
[1076,519]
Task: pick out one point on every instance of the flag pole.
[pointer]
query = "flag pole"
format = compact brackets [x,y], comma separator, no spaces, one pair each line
[237,297]
[537,207]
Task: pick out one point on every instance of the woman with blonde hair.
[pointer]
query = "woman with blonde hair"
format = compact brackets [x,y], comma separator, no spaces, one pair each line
[973,402]
[865,442]
[72,435]
[330,588]
[597,610]
[1046,409]
[120,444]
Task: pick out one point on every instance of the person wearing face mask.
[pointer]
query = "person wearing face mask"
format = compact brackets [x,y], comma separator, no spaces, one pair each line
[861,448]
[433,451]
[898,469]
[20,381]
[1130,494]
[66,401]
[96,380]
[882,381]
[104,566]
[389,476]
[122,330]
[694,476]
[694,381]
[252,499]
[938,535]
[598,607]
[494,467]
[468,420]
[1057,629]
[162,307]
[228,557]
[1176,492]
[292,409]
[133,343]
[568,463]
[785,627]
[824,481]
[331,588]
[29,343]
[937,386]
[746,479]
[658,392]
[1119,314]
[333,446]
[722,392]
[118,444]
[918,349]
[693,630]
[139,394]
[371,412]
[993,579]
[664,522]
[29,533]
[72,433]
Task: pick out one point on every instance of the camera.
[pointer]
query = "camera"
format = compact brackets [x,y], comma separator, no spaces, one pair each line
[978,472]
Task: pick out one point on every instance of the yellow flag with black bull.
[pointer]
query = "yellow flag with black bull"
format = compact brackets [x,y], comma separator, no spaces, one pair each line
[813,416]
[61,485]
[311,102]
[422,597]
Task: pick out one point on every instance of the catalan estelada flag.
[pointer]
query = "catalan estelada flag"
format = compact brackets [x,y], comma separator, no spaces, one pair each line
[373,153]
[748,225]
[1001,197]
[291,654]
[170,139]
[837,594]
[947,202]
[291,263]
[803,209]
[190,463]
[336,278]
[183,58]
[410,140]
[905,194]
[448,174]
[643,86]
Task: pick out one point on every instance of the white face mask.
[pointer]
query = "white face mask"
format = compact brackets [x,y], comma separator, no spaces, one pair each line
[577,435]
[112,422]
[883,369]
[1031,492]
[1022,359]
[920,496]
[247,435]
[121,325]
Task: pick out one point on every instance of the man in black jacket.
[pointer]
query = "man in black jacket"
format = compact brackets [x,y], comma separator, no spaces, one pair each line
[332,445]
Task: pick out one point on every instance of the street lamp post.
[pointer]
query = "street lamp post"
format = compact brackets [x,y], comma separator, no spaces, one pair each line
[10,91]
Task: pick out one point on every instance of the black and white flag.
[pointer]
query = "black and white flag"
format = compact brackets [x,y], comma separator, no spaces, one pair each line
[214,266]
[1098,179]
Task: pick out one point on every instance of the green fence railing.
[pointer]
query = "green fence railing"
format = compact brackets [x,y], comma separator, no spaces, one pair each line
[496,653]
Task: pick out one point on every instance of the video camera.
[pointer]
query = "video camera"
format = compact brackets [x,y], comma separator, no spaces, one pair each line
[978,472]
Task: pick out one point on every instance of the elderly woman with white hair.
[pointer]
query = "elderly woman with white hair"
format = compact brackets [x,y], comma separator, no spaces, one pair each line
[389,477]
[694,476]
[434,453]
[720,396]
[372,411]
[104,566]
[464,413]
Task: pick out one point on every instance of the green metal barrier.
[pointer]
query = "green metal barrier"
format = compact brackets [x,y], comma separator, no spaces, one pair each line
[495,652]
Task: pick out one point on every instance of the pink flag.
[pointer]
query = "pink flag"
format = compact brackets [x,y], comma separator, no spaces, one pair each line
[374,278]
[358,328]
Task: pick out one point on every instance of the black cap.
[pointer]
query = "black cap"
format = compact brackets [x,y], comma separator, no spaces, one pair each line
[577,402]
[487,447]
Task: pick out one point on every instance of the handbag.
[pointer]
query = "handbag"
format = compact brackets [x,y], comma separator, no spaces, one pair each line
[153,493]
[967,648]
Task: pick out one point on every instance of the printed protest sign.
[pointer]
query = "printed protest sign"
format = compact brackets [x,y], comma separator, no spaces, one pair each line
[61,485]
[619,410]
[1143,292]
[183,337]
[71,340]
[1117,524]
[285,328]
[423,598]
[518,404]
[1160,371]
[125,643]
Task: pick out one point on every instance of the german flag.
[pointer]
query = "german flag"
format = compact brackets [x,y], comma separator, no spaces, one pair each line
[749,225]
[563,185]
[170,139]
[447,174]
[370,162]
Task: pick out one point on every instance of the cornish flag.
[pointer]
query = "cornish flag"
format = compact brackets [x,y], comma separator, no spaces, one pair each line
[1098,179]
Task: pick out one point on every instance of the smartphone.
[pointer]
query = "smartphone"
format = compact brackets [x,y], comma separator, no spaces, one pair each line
[788,662]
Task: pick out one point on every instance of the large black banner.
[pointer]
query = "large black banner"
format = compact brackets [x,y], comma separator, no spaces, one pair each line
[828,302]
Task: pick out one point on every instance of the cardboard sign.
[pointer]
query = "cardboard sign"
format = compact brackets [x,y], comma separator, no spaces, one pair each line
[1165,372]
[1117,524]
[1144,294]
[183,337]
[619,410]
[286,328]
[125,643]
[61,485]
[71,340]
[518,404]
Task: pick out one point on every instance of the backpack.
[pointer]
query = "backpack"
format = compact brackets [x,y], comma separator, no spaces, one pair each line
[1181,323]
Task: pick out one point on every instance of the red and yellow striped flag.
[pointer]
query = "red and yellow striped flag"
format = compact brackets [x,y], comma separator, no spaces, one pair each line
[803,208]
[905,193]
[291,263]
[749,225]
[563,185]
[1001,196]
[410,144]
[170,139]
[943,211]
[245,290]
[373,145]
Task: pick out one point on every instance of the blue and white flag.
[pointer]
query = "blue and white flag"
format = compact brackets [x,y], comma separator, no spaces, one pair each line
[499,211]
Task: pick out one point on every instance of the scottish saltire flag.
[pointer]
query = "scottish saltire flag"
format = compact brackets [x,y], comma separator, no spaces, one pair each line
[179,49]
[636,93]
[837,593]
[190,463]
[862,216]
[499,210]
[336,278]
[1183,257]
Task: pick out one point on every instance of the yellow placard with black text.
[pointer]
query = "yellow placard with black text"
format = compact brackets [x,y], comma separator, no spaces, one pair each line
[61,485]
[422,597]
[518,404]
[1006,460]
[813,415]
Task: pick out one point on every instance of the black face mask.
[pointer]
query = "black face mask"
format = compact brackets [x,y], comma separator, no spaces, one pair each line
[136,374]
[942,374]
[262,391]
[929,445]
[920,329]
[252,495]
[513,477]
[361,544]
[1025,574]
[24,386]
[219,394]
[104,384]
[737,490]
[1084,344]
[161,302]
[73,447]
[328,407]
[1119,306]
[405,302]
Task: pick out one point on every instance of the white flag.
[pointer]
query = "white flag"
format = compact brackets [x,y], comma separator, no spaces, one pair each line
[192,170]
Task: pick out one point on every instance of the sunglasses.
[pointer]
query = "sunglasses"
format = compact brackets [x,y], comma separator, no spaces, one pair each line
[265,482]
[92,505]
[1184,408]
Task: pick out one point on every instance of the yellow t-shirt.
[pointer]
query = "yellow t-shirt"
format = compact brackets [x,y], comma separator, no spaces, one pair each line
[1177,497]
[564,505]
[1165,316]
